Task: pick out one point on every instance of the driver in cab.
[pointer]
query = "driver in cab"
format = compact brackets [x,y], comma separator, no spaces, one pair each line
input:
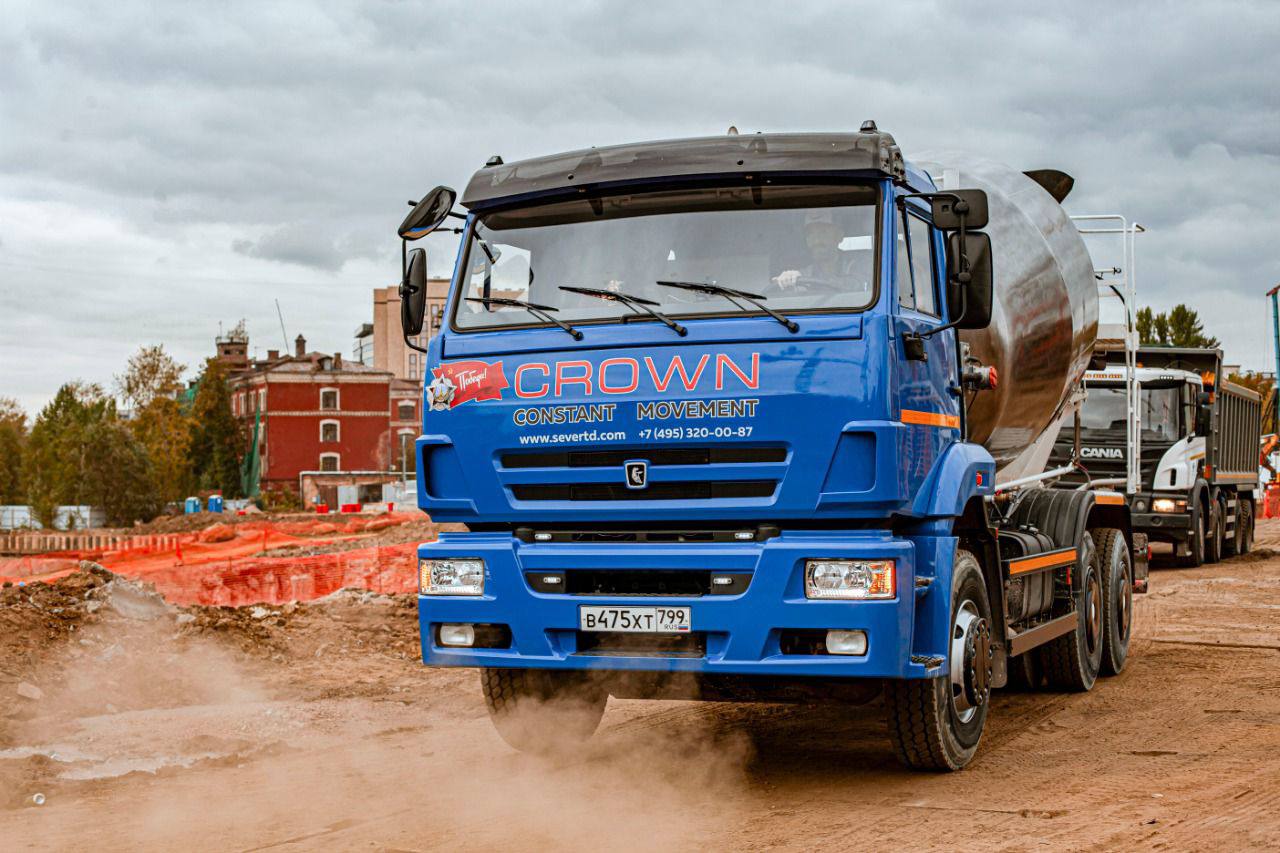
[831,268]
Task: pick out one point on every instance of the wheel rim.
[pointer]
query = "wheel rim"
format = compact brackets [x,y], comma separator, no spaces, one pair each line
[1093,613]
[1124,602]
[971,657]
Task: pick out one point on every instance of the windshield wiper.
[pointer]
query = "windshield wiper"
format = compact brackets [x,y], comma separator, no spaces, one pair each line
[539,311]
[636,303]
[732,295]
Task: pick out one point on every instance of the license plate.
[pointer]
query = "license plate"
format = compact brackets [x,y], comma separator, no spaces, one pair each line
[635,620]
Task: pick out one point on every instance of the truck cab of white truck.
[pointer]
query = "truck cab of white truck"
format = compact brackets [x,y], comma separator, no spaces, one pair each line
[1197,445]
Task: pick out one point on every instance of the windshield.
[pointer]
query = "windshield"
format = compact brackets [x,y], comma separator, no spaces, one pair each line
[803,248]
[1105,407]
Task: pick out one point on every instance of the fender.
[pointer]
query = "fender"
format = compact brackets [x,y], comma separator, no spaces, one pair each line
[1062,514]
[965,470]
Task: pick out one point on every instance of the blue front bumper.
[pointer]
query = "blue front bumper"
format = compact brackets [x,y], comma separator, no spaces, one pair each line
[742,631]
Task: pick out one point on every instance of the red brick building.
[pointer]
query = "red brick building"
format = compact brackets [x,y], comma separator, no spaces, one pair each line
[325,423]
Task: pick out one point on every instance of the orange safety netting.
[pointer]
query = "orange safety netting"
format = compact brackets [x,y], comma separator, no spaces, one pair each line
[222,565]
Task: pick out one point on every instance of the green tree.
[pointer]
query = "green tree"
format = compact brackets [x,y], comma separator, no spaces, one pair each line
[117,474]
[150,386]
[57,449]
[1180,327]
[13,440]
[217,441]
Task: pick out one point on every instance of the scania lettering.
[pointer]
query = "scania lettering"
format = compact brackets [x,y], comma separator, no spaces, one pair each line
[827,382]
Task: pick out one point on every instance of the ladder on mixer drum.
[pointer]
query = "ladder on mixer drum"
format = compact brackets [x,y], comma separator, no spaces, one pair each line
[1117,286]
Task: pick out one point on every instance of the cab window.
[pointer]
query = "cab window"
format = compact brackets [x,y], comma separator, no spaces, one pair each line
[914,267]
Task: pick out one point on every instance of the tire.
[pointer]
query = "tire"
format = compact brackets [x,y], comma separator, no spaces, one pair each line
[1025,672]
[545,712]
[1072,661]
[1216,527]
[937,723]
[1195,545]
[1116,564]
[1244,526]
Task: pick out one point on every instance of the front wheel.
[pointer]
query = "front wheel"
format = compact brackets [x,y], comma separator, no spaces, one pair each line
[1194,557]
[1217,529]
[936,723]
[543,711]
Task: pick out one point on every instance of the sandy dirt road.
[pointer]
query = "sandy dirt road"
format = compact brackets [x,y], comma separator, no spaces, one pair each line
[317,728]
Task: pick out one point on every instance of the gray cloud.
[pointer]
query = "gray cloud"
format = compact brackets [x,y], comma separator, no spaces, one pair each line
[167,168]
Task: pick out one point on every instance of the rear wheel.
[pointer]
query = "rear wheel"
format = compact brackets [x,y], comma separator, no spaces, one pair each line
[1244,526]
[1071,662]
[543,711]
[1117,597]
[936,723]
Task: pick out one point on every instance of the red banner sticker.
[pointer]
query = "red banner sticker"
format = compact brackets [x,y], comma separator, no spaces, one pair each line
[460,382]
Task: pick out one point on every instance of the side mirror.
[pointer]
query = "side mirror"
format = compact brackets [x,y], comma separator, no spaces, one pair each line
[948,207]
[413,294]
[427,214]
[969,302]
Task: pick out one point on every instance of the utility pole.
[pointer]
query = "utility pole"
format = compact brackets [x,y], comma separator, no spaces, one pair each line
[1275,337]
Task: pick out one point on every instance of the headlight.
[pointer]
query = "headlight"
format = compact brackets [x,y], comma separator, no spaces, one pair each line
[858,579]
[464,576]
[1168,505]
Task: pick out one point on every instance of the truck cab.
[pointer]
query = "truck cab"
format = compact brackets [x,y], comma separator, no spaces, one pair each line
[1197,477]
[701,407]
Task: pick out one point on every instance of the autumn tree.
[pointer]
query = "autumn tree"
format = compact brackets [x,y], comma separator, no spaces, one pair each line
[13,440]
[150,387]
[217,440]
[1180,327]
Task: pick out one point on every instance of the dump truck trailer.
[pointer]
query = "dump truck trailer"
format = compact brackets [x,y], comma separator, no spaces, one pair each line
[762,418]
[1197,443]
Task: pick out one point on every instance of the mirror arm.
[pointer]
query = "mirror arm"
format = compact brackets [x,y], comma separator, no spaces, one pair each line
[414,346]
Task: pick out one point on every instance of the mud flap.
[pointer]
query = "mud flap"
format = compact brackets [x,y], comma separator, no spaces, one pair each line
[1141,562]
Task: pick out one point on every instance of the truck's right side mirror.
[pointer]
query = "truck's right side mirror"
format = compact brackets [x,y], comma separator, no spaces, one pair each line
[413,294]
[970,302]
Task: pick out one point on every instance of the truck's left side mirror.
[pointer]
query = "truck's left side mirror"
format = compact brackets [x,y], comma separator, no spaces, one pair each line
[427,214]
[969,297]
[413,294]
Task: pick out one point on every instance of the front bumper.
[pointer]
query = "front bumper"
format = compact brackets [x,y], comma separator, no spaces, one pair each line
[1166,526]
[907,636]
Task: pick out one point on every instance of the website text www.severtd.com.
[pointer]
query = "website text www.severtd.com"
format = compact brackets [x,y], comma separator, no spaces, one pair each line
[571,437]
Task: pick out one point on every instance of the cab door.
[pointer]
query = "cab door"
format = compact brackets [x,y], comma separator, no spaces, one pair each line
[926,366]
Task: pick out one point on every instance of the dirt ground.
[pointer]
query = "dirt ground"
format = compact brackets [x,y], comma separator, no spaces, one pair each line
[315,726]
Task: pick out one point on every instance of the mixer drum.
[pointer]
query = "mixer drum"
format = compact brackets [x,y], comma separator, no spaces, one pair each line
[1044,314]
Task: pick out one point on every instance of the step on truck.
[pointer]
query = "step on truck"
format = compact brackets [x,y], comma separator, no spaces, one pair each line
[760,418]
[1193,457]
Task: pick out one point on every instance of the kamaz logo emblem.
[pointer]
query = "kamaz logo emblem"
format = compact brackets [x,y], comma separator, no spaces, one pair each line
[637,472]
[1101,453]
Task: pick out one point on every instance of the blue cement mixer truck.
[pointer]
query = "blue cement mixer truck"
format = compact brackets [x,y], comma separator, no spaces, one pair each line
[762,418]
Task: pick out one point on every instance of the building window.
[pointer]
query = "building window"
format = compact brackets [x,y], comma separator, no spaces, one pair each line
[330,462]
[404,412]
[262,399]
[329,431]
[329,399]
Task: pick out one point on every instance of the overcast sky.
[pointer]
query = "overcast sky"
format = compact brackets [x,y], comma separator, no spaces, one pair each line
[164,169]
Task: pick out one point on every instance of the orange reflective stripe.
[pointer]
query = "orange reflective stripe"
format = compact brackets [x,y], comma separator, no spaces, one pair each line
[1030,564]
[1108,498]
[934,419]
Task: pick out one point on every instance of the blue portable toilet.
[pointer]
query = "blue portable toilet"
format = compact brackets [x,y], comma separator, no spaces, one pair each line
[215,503]
[192,505]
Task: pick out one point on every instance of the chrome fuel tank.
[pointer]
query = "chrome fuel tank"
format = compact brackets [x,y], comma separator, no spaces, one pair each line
[1044,318]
